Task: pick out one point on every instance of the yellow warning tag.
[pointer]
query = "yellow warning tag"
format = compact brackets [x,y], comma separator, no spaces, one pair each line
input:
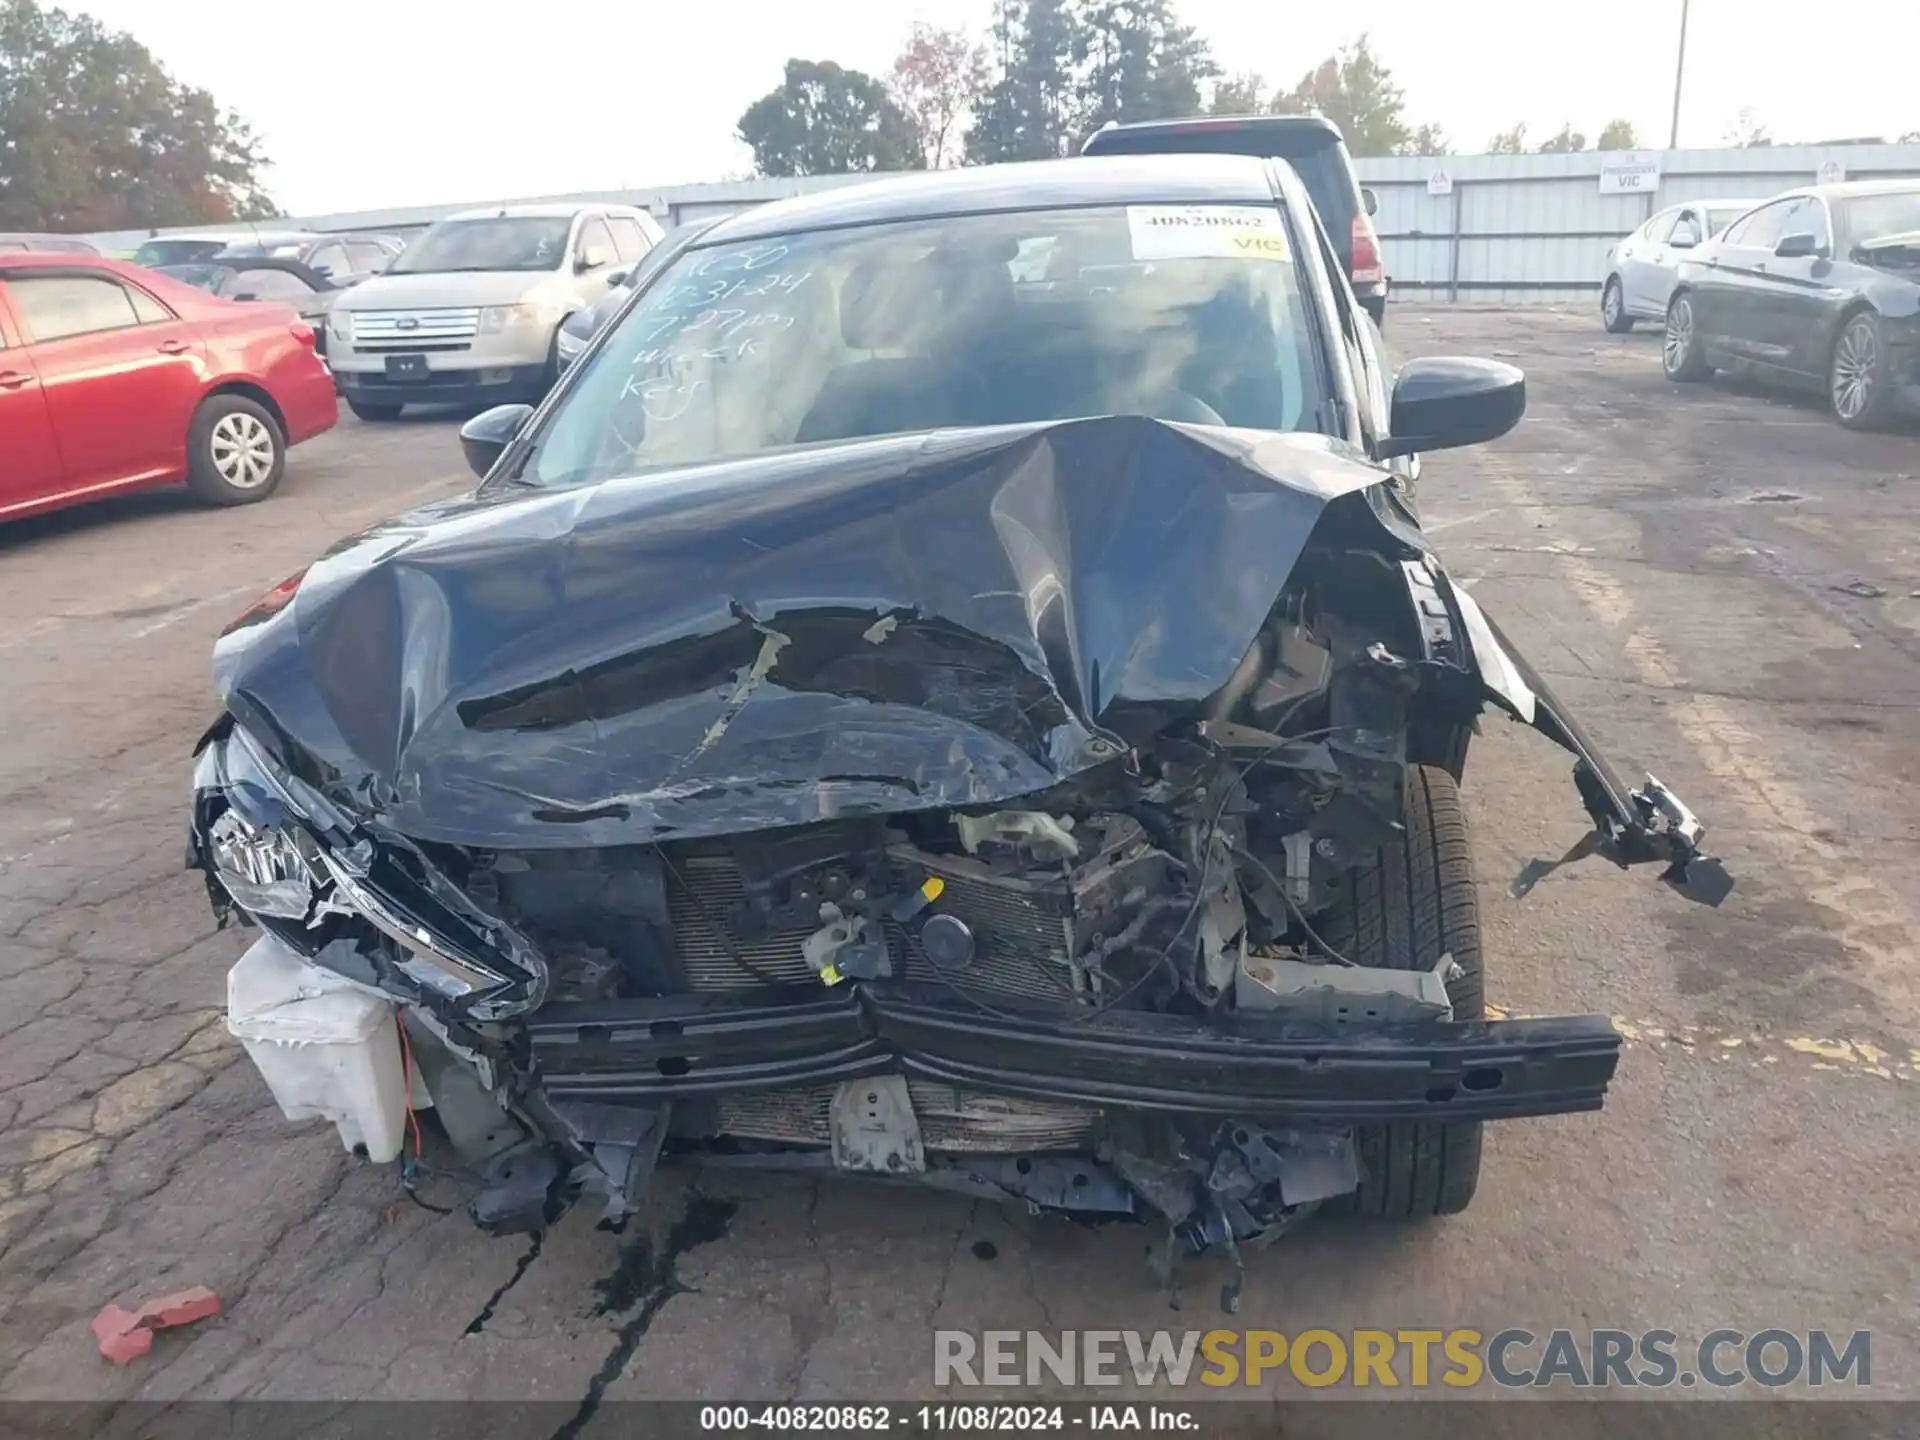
[831,975]
[934,887]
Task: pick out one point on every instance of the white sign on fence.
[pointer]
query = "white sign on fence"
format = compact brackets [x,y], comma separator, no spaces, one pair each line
[1629,172]
[1439,183]
[1832,172]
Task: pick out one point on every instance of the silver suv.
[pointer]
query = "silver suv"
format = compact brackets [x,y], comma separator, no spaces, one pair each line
[469,314]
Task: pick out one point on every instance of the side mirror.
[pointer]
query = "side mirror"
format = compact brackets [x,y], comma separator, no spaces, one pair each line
[1797,247]
[1447,401]
[485,437]
[1369,199]
[618,277]
[1683,242]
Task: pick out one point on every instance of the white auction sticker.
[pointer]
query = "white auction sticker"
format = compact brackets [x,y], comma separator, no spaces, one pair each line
[1192,232]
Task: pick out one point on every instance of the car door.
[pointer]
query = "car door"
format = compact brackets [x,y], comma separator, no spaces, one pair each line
[1800,300]
[1636,257]
[1686,231]
[121,373]
[1732,286]
[32,469]
[595,257]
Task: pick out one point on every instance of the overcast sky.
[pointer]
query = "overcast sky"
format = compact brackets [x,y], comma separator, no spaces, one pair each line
[367,103]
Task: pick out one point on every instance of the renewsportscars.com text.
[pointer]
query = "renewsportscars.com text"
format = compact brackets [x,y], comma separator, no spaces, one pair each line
[1416,1359]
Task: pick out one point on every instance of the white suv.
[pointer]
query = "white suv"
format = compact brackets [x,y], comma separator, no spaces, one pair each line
[469,313]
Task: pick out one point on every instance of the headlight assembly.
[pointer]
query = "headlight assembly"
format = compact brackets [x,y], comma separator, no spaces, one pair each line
[264,870]
[281,851]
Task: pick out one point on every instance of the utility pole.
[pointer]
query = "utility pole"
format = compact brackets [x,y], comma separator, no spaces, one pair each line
[1679,74]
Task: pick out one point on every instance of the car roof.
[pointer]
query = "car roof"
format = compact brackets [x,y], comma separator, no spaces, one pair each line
[43,237]
[553,210]
[1027,185]
[63,260]
[1853,189]
[1290,125]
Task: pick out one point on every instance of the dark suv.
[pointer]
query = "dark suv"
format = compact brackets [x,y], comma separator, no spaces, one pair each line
[1316,150]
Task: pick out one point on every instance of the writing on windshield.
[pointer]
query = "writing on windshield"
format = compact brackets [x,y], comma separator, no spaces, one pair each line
[491,243]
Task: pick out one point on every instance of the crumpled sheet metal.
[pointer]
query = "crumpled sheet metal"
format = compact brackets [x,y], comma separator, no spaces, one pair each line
[706,653]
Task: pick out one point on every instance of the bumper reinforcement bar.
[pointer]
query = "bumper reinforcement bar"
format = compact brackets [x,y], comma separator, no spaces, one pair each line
[682,1047]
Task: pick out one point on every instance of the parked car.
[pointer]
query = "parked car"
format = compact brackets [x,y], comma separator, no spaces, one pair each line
[345,260]
[584,324]
[115,378]
[471,311]
[1642,269]
[1312,146]
[1819,289]
[889,716]
[288,282]
[184,249]
[14,243]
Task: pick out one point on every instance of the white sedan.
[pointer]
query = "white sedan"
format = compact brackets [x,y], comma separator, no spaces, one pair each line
[1642,269]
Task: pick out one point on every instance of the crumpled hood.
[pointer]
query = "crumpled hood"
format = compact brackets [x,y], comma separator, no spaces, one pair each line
[913,621]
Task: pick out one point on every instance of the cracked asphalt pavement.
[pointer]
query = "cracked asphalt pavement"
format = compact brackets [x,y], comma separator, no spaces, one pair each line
[1723,583]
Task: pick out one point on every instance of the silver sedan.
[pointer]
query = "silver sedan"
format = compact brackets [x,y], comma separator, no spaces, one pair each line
[1642,269]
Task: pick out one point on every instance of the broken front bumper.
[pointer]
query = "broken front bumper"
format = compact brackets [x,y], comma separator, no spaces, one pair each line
[648,1051]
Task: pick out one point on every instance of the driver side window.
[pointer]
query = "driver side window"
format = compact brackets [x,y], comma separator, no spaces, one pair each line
[1761,230]
[596,244]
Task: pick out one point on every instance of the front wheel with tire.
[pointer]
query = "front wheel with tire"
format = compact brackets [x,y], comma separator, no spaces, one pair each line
[370,410]
[235,451]
[1411,902]
[1684,354]
[1858,388]
[1613,307]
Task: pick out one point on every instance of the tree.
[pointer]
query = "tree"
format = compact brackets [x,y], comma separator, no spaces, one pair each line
[1425,140]
[1509,142]
[1140,62]
[1617,135]
[1032,108]
[935,82]
[1355,91]
[823,120]
[1912,137]
[96,135]
[1242,94]
[1568,142]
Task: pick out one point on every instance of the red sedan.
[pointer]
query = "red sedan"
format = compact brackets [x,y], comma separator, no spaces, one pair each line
[113,378]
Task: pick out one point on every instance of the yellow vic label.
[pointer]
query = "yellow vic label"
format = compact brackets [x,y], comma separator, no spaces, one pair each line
[1260,245]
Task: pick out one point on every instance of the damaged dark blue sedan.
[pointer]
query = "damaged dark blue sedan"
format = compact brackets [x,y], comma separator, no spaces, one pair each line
[950,688]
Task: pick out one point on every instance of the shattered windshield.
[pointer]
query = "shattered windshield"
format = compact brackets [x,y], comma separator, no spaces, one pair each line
[498,242]
[1185,313]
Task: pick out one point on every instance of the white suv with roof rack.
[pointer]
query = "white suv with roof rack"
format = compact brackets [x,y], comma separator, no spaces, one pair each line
[469,313]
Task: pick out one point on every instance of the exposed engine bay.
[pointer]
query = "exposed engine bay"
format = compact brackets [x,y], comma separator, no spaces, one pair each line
[1051,866]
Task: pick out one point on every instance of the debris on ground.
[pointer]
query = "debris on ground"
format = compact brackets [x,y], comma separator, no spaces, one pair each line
[1862,589]
[125,1335]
